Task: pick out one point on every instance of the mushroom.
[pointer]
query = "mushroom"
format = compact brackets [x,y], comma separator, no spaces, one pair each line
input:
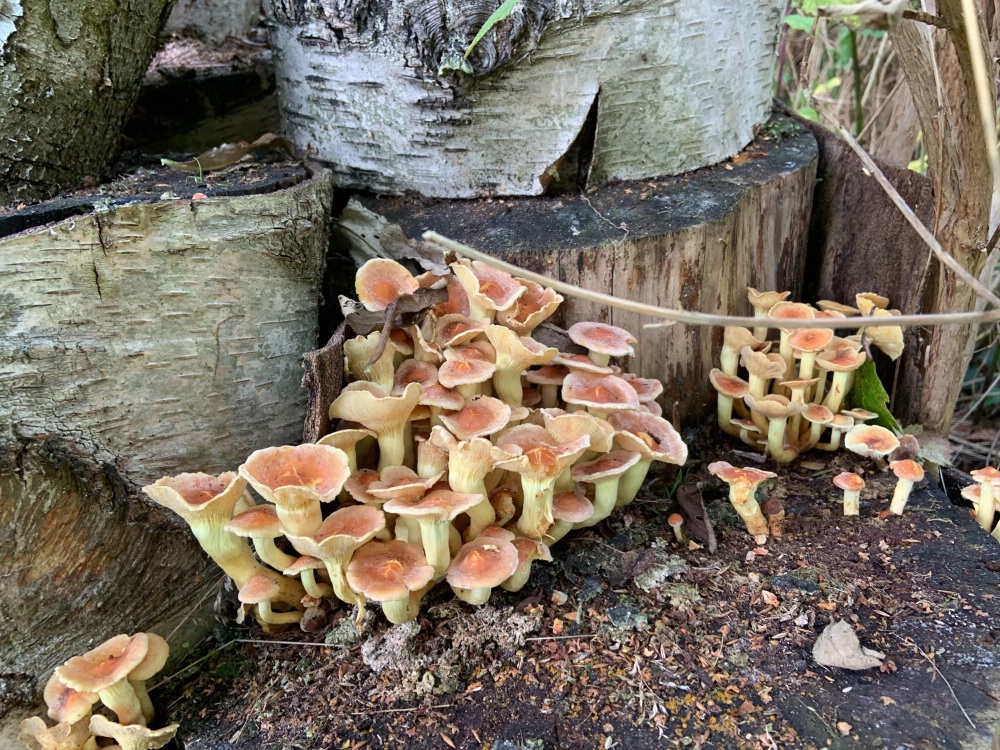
[762,368]
[676,523]
[599,394]
[66,705]
[777,410]
[260,523]
[533,307]
[481,565]
[851,484]
[528,550]
[394,573]
[818,417]
[37,735]
[907,473]
[870,441]
[549,378]
[762,302]
[341,533]
[348,441]
[603,341]
[734,339]
[481,416]
[840,425]
[806,343]
[466,375]
[489,289]
[654,439]
[789,311]
[987,478]
[455,330]
[729,387]
[154,661]
[539,459]
[104,670]
[131,736]
[568,509]
[258,593]
[372,407]
[380,281]
[297,479]
[773,508]
[358,353]
[604,473]
[842,362]
[887,338]
[424,374]
[742,485]
[513,356]
[434,513]
[206,503]
[305,568]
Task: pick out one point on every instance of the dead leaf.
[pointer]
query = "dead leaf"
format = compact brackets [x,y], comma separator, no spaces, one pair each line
[228,154]
[838,646]
[447,739]
[844,728]
[887,701]
[769,598]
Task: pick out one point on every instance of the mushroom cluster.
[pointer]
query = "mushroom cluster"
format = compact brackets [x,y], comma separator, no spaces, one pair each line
[464,447]
[788,392]
[985,498]
[114,673]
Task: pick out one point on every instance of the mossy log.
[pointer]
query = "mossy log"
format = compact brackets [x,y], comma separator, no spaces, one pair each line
[593,89]
[694,242]
[137,341]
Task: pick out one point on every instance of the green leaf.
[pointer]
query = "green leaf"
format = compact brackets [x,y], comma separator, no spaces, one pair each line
[498,15]
[808,113]
[800,23]
[869,394]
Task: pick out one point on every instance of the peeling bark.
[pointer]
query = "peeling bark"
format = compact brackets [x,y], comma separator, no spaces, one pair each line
[69,74]
[139,341]
[366,85]
[213,20]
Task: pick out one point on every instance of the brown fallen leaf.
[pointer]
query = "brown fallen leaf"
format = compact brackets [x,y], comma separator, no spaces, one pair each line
[228,154]
[844,728]
[447,739]
[887,701]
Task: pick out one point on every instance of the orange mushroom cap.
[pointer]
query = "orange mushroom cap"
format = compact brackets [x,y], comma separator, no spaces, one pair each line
[388,571]
[603,338]
[850,481]
[870,440]
[380,281]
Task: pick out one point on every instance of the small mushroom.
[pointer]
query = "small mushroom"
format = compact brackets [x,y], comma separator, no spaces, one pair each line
[742,485]
[305,568]
[987,478]
[394,573]
[907,473]
[37,735]
[851,484]
[729,387]
[762,302]
[154,661]
[258,593]
[676,522]
[604,473]
[603,341]
[380,281]
[870,441]
[599,394]
[568,509]
[480,566]
[515,354]
[776,409]
[372,407]
[260,523]
[434,513]
[528,550]
[774,509]
[654,439]
[481,416]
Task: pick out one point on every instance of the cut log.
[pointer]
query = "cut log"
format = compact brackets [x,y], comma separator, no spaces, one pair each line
[607,90]
[69,74]
[694,242]
[137,341]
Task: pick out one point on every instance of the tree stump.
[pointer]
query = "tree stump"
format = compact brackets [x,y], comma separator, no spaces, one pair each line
[694,242]
[381,92]
[213,20]
[138,339]
[69,74]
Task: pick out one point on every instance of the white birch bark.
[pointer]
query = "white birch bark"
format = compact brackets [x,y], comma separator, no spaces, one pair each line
[675,86]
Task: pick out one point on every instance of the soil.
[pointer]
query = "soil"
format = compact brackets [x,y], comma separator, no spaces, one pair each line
[633,640]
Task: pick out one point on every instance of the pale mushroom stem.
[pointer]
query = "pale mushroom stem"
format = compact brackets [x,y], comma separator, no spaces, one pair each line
[900,495]
[598,358]
[268,551]
[139,686]
[266,614]
[986,507]
[406,609]
[605,500]
[550,396]
[760,332]
[817,397]
[776,441]
[507,384]
[313,587]
[121,698]
[434,539]
[392,447]
[807,366]
[852,502]
[337,570]
[467,478]
[557,531]
[476,596]
[839,388]
[725,415]
[741,495]
[536,512]
[630,482]
[233,555]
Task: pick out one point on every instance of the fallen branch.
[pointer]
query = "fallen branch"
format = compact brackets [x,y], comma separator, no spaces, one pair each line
[673,315]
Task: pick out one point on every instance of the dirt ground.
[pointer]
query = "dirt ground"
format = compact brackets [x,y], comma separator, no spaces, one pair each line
[633,641]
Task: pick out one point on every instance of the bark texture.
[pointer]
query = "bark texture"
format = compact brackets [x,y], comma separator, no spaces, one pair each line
[213,20]
[141,341]
[695,242]
[949,118]
[612,90]
[70,72]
